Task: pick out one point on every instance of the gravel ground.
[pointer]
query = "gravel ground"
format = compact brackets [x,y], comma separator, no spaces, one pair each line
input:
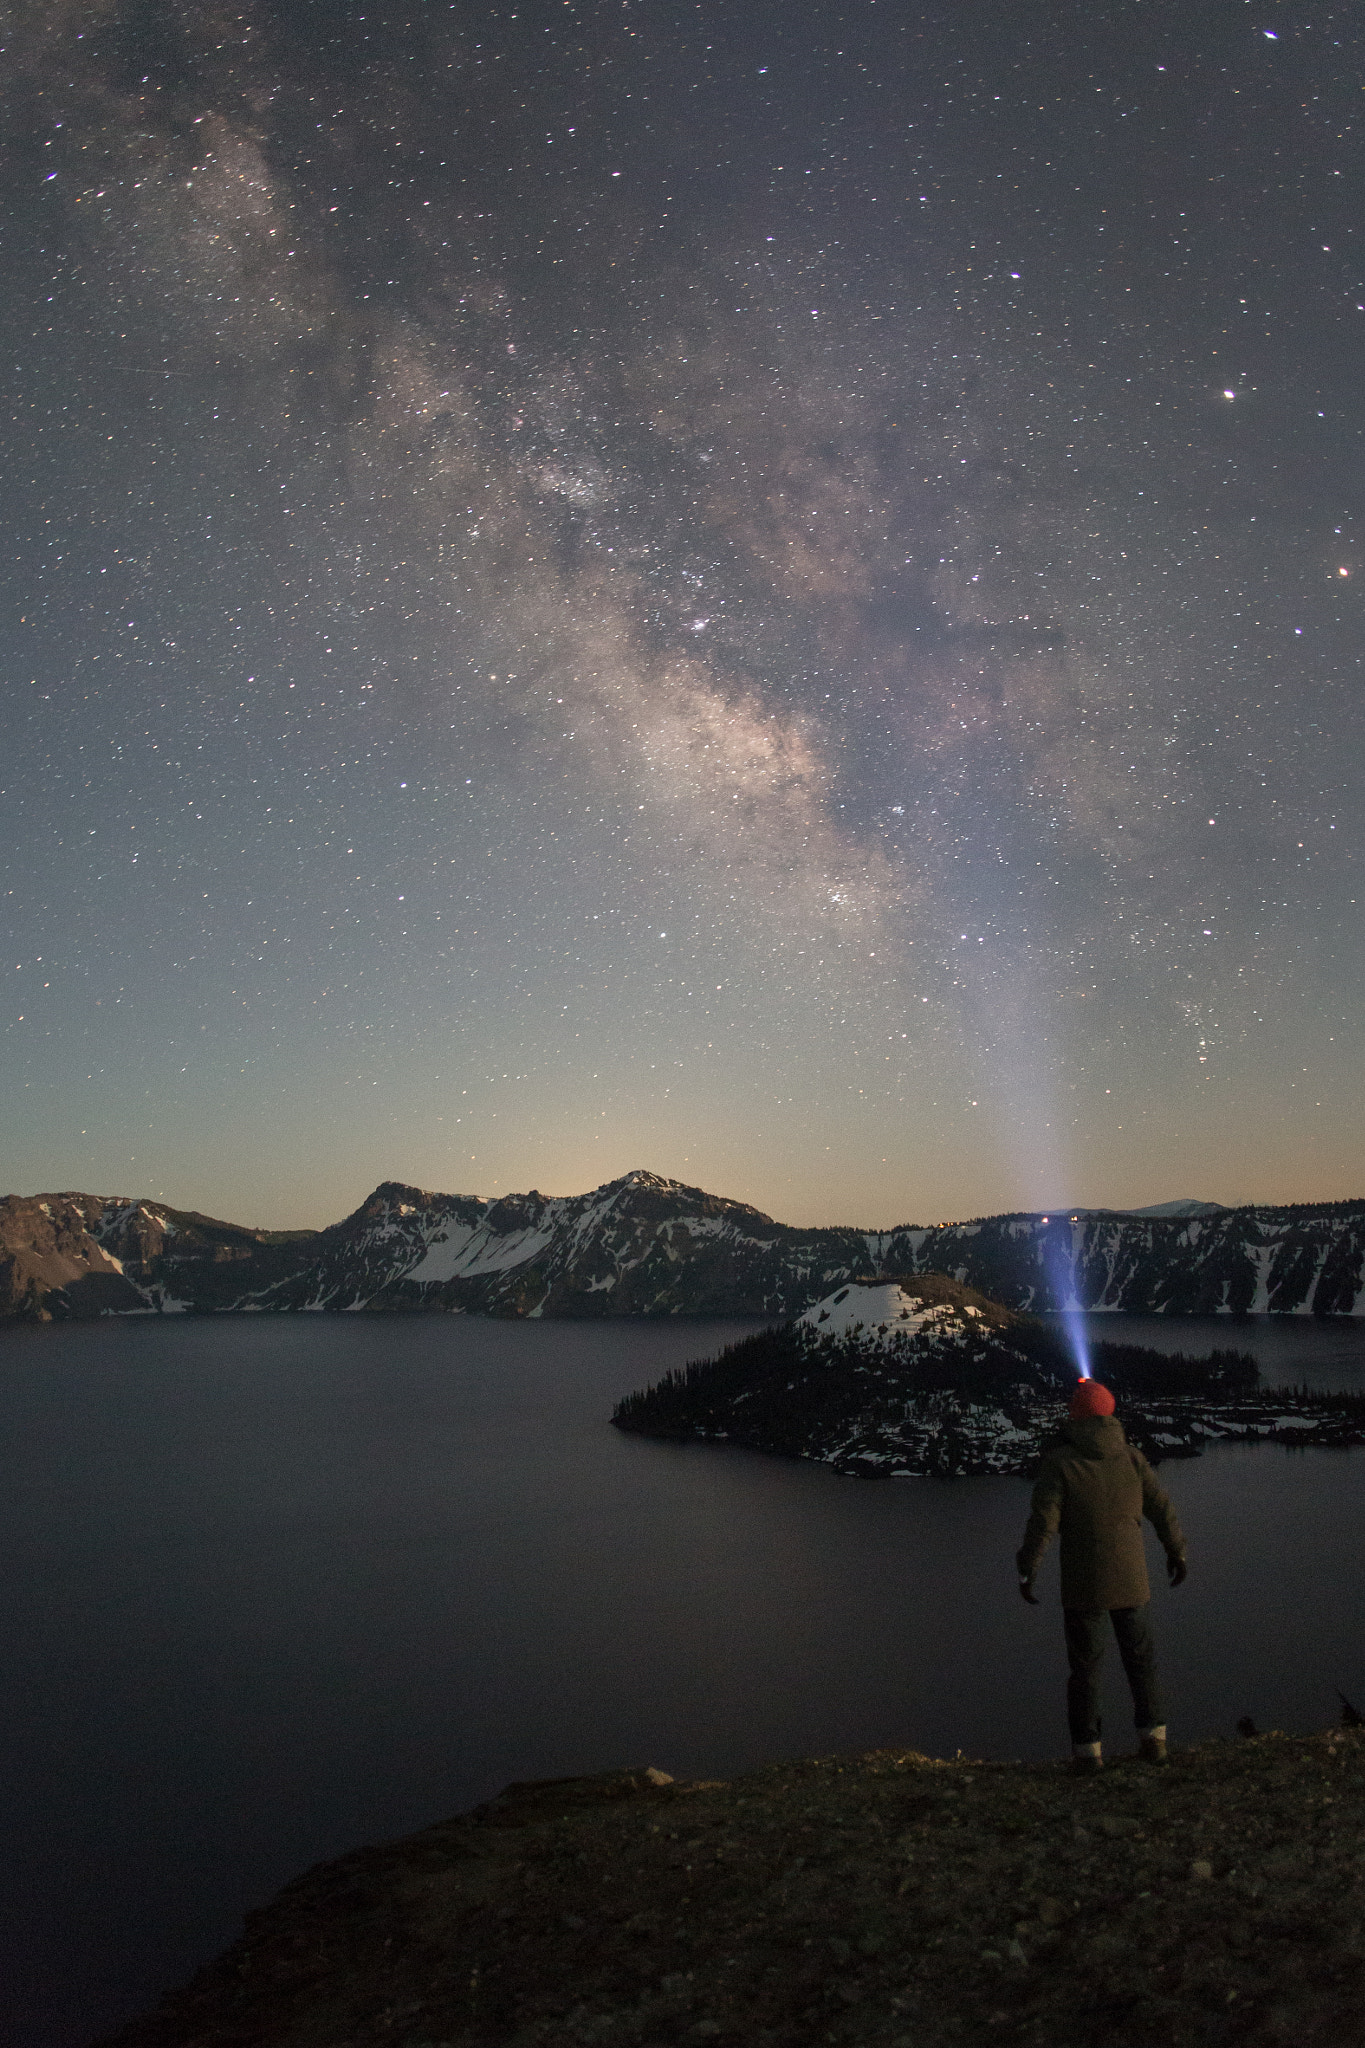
[888,1899]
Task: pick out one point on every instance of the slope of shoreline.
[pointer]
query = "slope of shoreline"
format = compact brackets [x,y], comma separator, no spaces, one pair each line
[889,1899]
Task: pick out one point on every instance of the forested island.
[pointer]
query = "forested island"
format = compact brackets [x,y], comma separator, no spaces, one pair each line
[923,1376]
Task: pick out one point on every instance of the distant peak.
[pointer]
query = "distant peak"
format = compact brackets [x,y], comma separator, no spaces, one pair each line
[397,1191]
[1186,1206]
[640,1177]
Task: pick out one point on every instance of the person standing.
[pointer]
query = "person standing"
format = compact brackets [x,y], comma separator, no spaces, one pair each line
[1093,1488]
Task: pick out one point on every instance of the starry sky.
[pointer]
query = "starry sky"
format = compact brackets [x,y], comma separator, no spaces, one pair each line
[770,592]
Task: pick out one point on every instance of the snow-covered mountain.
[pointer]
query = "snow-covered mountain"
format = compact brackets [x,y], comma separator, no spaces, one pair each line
[1297,1260]
[643,1245]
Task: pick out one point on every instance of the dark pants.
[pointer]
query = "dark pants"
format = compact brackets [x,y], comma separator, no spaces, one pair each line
[1085,1638]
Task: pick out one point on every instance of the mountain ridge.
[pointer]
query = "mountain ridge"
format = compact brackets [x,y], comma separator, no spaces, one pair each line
[644,1245]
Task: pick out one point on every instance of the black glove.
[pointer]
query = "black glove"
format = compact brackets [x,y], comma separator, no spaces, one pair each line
[1026,1592]
[1177,1570]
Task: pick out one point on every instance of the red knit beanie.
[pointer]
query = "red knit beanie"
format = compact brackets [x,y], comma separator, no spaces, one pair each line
[1090,1398]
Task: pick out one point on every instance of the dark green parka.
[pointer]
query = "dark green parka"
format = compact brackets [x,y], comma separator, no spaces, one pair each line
[1096,1488]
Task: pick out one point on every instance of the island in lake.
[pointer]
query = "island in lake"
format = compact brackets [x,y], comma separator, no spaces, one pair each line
[922,1376]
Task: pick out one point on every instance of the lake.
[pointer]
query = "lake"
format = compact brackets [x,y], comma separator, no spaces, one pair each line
[276,1587]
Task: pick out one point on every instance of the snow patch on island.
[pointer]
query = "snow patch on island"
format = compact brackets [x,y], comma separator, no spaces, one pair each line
[878,1309]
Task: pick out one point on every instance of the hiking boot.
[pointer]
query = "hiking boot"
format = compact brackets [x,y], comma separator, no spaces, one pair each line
[1086,1760]
[1152,1749]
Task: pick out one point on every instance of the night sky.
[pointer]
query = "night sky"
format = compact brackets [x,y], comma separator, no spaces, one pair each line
[767,591]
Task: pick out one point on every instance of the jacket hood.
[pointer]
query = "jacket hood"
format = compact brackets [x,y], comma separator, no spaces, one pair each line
[1097,1436]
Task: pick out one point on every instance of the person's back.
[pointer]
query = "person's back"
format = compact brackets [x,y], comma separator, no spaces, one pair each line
[1093,1489]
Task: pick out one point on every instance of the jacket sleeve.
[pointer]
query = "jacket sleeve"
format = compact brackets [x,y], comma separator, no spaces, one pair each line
[1159,1509]
[1044,1518]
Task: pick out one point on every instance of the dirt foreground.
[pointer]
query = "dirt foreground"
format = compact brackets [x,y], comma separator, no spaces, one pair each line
[889,1899]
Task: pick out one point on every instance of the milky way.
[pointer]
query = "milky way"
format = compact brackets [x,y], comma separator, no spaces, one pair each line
[769,593]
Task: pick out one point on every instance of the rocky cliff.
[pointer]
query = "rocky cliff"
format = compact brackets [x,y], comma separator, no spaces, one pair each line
[877,1901]
[643,1245]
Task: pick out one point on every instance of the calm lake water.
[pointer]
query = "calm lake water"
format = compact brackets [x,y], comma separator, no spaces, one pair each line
[273,1588]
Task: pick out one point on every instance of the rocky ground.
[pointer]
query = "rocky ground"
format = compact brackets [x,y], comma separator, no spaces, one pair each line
[889,1899]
